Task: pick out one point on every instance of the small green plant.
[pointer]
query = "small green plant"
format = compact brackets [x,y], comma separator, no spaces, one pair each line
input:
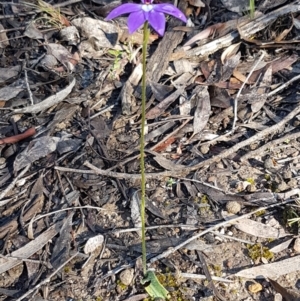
[258,251]
[122,286]
[217,269]
[117,66]
[251,181]
[170,182]
[260,213]
[51,14]
[290,217]
[169,281]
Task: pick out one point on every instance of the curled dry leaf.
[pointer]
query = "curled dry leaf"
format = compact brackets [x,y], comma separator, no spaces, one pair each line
[100,33]
[135,211]
[3,37]
[229,52]
[48,102]
[61,54]
[202,112]
[36,149]
[8,73]
[93,243]
[11,91]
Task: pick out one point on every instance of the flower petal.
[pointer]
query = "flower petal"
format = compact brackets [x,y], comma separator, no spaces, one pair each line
[136,20]
[126,8]
[158,21]
[170,10]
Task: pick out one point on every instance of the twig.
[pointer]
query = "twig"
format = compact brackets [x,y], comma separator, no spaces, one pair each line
[240,91]
[71,208]
[47,279]
[284,85]
[137,297]
[172,250]
[188,227]
[233,238]
[270,145]
[121,175]
[28,87]
[16,138]
[287,159]
[198,276]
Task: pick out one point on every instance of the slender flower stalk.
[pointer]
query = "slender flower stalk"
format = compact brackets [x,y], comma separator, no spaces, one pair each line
[142,148]
[144,14]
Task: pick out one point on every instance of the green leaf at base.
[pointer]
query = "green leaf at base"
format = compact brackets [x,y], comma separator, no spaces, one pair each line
[153,287]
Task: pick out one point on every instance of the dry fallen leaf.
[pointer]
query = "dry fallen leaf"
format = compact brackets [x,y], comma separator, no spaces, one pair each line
[272,270]
[258,229]
[37,148]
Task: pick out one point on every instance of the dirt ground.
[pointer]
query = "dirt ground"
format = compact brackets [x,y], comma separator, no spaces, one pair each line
[222,152]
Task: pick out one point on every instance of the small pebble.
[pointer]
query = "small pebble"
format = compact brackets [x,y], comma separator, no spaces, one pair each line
[211,179]
[287,174]
[297,245]
[269,163]
[277,297]
[218,238]
[255,287]
[126,276]
[282,186]
[293,183]
[233,207]
[251,188]
[204,149]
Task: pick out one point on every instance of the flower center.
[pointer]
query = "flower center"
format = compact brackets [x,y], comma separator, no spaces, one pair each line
[147,7]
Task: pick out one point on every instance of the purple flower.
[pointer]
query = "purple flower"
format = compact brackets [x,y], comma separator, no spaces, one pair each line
[153,13]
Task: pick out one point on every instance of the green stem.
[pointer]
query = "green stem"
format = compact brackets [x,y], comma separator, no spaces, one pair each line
[252,8]
[142,149]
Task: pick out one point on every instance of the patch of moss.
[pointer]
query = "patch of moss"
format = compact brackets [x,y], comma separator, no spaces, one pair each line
[251,181]
[204,207]
[260,213]
[257,251]
[67,269]
[217,269]
[121,285]
[234,291]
